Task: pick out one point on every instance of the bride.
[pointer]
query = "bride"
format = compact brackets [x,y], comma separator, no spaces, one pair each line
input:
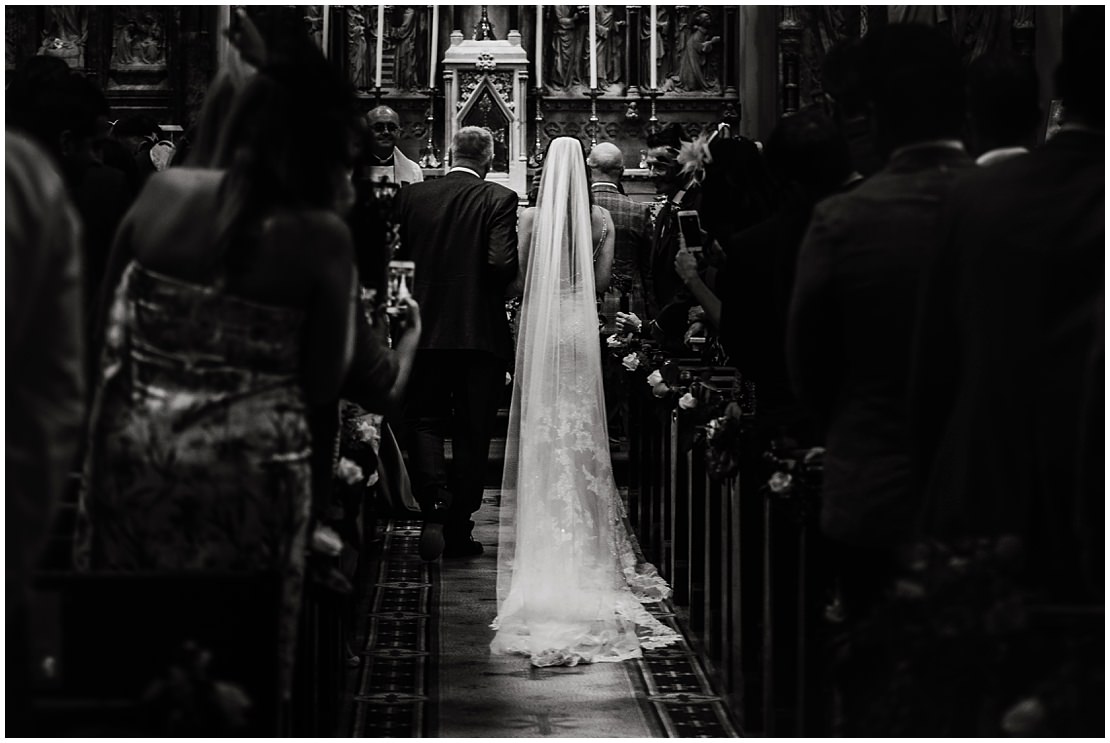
[570,588]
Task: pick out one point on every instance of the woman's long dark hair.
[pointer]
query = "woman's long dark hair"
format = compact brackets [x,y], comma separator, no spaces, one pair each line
[284,146]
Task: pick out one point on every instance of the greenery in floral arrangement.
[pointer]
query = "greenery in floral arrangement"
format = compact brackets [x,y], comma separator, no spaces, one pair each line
[957,649]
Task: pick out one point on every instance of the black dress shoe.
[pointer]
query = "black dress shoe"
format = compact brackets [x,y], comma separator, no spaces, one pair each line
[470,547]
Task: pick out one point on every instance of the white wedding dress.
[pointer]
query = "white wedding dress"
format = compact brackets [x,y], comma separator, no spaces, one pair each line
[570,587]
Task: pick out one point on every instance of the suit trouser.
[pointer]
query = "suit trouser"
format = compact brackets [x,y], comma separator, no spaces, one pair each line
[456,394]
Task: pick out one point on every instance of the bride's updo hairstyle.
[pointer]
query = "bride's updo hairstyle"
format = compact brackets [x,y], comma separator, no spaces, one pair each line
[285,145]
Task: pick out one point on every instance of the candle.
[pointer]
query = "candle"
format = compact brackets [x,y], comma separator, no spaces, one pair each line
[539,46]
[381,40]
[435,47]
[651,61]
[593,48]
[326,31]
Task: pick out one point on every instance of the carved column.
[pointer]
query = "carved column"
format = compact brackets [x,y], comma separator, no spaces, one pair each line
[790,43]
[632,50]
[729,70]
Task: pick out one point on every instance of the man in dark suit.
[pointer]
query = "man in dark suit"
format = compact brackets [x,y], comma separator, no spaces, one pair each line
[664,285]
[630,221]
[1009,323]
[811,160]
[460,230]
[853,307]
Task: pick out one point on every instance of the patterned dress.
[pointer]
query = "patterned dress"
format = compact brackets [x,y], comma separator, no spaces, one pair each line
[199,452]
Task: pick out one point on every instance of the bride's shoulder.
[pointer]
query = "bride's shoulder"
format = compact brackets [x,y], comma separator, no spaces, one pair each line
[527,215]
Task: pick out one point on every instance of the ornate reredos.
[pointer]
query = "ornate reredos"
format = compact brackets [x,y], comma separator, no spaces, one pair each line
[500,84]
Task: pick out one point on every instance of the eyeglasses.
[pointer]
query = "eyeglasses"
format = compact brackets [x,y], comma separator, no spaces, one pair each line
[385,126]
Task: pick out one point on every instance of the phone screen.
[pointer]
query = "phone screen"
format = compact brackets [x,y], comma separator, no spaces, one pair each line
[690,225]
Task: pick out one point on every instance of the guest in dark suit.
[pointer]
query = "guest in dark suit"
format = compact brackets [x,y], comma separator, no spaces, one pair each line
[461,232]
[630,221]
[854,303]
[664,285]
[1009,324]
[810,160]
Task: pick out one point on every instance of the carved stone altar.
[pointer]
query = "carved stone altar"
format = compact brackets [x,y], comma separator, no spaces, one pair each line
[485,84]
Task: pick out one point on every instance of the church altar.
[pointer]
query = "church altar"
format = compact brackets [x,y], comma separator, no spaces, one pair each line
[529,72]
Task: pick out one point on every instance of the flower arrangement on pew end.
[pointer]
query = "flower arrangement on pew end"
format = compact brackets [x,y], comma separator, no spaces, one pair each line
[795,478]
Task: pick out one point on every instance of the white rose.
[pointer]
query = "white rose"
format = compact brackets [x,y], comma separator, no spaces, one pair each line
[687,402]
[654,378]
[326,540]
[631,362]
[348,471]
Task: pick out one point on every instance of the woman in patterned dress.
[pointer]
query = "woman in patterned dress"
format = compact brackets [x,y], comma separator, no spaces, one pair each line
[231,314]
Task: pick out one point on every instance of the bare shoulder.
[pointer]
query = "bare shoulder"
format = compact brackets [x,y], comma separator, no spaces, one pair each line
[176,186]
[600,215]
[322,230]
[528,214]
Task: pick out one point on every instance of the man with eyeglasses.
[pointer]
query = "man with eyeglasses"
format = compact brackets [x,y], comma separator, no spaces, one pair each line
[383,157]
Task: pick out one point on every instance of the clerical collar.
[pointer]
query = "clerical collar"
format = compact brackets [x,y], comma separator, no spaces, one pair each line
[461,169]
[605,185]
[383,160]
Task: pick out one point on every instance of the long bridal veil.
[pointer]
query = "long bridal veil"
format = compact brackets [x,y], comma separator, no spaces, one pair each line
[569,586]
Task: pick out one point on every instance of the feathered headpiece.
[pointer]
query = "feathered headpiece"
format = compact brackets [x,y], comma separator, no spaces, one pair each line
[694,157]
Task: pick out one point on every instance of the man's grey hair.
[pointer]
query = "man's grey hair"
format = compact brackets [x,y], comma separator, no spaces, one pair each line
[473,144]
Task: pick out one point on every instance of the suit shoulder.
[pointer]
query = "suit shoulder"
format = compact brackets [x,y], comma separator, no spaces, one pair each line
[497,191]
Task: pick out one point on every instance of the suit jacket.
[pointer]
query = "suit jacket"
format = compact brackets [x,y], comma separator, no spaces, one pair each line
[461,232]
[852,316]
[630,220]
[1010,318]
[665,283]
[754,288]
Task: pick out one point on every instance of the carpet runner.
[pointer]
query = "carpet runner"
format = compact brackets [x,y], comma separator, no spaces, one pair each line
[427,672]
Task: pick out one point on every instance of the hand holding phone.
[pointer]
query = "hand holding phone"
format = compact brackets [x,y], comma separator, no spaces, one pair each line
[400,284]
[690,226]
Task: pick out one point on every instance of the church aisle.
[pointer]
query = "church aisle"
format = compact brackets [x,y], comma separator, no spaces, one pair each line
[427,672]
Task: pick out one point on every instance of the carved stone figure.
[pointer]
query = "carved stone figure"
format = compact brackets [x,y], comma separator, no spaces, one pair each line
[568,42]
[314,23]
[408,56]
[694,45]
[150,46]
[138,39]
[360,63]
[610,46]
[67,31]
[124,36]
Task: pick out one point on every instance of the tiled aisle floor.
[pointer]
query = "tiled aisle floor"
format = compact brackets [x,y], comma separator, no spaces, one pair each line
[427,671]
